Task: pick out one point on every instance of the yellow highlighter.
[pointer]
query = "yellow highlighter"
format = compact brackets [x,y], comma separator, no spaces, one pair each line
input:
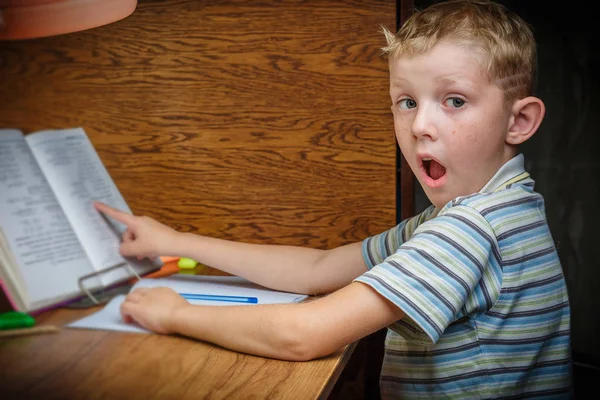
[186,263]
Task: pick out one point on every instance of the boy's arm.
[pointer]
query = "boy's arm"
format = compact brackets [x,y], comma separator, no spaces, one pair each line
[287,268]
[296,332]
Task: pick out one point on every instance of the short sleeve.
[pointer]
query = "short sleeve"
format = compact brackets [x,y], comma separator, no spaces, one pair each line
[448,261]
[377,248]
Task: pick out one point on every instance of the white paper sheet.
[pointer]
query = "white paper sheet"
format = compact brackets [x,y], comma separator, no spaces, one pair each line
[109,318]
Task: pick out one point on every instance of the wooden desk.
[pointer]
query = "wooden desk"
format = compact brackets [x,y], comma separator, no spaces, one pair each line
[88,364]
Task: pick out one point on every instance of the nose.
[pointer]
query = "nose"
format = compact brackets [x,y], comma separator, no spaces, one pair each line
[424,124]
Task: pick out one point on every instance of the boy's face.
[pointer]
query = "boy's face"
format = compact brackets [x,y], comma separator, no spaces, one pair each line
[450,121]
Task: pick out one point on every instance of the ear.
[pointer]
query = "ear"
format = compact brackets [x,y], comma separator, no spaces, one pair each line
[526,116]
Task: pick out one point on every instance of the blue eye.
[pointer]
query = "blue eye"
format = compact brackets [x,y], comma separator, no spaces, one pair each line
[455,102]
[407,104]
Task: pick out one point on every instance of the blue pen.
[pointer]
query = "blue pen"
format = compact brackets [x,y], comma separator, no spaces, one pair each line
[216,297]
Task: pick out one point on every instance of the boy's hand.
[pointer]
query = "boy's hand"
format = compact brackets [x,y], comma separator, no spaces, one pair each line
[152,308]
[144,236]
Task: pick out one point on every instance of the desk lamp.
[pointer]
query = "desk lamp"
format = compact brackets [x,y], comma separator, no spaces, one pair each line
[28,19]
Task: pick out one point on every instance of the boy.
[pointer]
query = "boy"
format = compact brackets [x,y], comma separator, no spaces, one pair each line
[471,289]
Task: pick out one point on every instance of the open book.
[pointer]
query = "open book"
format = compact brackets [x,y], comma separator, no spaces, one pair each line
[50,233]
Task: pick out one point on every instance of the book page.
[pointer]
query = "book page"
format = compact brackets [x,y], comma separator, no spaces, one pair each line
[35,228]
[77,177]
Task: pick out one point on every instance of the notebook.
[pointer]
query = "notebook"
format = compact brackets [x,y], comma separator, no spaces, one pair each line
[109,317]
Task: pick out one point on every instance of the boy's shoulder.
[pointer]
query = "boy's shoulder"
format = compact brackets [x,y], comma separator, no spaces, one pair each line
[508,189]
[504,210]
[507,201]
[485,202]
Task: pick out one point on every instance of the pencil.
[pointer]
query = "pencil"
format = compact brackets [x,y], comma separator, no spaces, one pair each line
[29,331]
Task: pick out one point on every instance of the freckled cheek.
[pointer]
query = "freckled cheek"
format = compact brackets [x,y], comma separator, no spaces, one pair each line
[468,135]
[465,142]
[473,139]
[402,128]
[404,139]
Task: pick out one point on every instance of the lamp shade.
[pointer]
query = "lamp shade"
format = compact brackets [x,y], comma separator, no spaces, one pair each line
[27,19]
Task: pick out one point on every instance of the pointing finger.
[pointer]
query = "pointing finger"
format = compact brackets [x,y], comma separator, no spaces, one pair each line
[118,215]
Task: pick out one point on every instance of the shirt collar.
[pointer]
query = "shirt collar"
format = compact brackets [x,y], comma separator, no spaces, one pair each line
[513,171]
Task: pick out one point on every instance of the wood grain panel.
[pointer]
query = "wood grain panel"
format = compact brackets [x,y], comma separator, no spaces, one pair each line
[257,121]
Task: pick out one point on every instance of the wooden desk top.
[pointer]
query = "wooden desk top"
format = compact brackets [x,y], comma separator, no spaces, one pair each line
[88,364]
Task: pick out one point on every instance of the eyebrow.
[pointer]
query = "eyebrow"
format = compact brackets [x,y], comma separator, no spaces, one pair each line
[446,80]
[451,81]
[396,82]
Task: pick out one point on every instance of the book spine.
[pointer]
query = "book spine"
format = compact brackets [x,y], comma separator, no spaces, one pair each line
[8,297]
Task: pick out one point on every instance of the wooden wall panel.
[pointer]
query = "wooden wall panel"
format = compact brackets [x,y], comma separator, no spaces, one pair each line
[261,121]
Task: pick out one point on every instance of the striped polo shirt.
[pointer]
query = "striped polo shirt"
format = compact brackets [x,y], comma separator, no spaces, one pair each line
[480,282]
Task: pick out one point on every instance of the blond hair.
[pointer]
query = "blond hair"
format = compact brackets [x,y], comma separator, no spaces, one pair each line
[504,42]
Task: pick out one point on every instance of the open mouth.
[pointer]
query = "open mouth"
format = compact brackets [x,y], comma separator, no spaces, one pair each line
[434,169]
